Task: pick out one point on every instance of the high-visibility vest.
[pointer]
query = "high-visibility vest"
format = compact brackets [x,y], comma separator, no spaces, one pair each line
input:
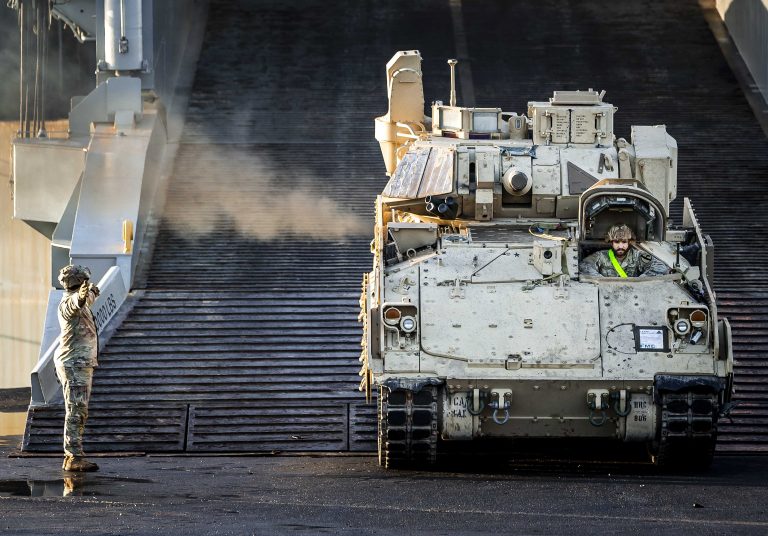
[616,265]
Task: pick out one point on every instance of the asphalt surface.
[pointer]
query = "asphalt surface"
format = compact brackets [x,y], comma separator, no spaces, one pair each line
[344,494]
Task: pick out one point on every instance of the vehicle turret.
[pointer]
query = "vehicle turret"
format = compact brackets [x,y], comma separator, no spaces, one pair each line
[512,165]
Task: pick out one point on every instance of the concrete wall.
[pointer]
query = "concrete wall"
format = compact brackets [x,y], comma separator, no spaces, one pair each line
[25,259]
[747,22]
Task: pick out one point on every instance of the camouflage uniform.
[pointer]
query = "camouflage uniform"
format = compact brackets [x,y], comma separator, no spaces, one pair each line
[635,264]
[75,359]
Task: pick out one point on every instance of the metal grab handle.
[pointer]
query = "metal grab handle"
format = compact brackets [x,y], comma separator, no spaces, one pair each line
[595,422]
[402,71]
[496,419]
[411,133]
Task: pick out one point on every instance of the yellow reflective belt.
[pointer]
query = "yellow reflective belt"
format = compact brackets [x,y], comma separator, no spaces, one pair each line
[616,265]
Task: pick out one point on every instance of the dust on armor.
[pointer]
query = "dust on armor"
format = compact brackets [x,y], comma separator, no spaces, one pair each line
[478,320]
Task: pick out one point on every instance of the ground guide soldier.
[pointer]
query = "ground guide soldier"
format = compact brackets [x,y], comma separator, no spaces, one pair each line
[75,359]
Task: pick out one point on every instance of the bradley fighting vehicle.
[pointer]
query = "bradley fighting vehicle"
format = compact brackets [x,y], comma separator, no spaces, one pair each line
[477,322]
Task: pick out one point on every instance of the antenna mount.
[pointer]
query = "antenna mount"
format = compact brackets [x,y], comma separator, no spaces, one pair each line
[453,63]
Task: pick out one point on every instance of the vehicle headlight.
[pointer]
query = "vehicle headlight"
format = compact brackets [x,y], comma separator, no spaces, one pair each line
[698,318]
[392,316]
[682,327]
[408,324]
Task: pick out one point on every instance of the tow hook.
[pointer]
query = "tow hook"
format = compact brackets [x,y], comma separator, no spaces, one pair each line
[598,400]
[621,403]
[501,399]
[475,402]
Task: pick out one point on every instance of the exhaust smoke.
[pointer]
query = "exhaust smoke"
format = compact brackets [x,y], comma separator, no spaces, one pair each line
[220,186]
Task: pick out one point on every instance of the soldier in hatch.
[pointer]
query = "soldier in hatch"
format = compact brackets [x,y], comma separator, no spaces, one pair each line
[622,260]
[75,359]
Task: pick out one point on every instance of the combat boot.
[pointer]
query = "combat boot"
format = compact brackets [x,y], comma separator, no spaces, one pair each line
[80,465]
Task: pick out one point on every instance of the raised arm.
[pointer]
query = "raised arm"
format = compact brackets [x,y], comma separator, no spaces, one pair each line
[84,297]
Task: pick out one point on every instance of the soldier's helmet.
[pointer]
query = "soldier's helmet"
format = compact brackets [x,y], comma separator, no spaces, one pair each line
[73,275]
[620,231]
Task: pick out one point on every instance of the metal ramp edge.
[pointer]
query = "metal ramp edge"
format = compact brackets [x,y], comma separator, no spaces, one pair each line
[253,426]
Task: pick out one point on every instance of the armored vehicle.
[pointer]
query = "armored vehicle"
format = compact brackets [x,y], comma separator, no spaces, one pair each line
[478,320]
